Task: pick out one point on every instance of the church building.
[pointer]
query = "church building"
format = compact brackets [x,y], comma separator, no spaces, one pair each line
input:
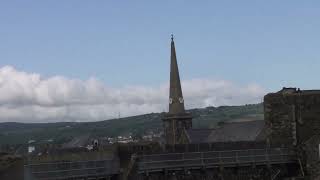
[178,123]
[177,120]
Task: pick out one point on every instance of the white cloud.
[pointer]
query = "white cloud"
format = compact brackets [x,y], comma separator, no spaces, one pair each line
[27,97]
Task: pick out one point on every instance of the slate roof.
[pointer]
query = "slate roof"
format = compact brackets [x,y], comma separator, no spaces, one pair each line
[198,135]
[229,132]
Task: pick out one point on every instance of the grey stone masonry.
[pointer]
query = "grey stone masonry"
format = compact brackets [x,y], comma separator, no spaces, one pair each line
[312,153]
[292,115]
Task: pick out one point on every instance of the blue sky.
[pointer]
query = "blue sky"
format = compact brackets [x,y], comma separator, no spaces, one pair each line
[272,43]
[267,44]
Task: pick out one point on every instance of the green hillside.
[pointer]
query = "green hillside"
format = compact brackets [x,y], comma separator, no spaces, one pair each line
[16,133]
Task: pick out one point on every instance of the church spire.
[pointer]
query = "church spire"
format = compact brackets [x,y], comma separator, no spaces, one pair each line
[176,102]
[177,120]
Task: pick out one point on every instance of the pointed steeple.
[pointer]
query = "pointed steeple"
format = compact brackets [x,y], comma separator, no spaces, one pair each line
[177,120]
[176,102]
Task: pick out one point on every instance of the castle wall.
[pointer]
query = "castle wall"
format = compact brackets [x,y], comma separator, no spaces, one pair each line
[292,116]
[293,119]
[308,116]
[312,153]
[280,119]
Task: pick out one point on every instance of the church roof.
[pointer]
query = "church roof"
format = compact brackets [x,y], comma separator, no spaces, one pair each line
[198,135]
[228,132]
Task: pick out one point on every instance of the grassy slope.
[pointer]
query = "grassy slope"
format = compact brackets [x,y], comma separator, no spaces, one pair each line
[14,133]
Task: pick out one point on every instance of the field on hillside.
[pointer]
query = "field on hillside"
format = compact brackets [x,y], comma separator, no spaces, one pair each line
[20,133]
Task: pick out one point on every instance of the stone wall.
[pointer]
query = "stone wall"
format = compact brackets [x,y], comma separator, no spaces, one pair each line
[11,167]
[292,116]
[312,153]
[280,119]
[308,115]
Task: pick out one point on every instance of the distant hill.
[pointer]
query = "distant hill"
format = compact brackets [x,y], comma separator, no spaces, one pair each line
[19,133]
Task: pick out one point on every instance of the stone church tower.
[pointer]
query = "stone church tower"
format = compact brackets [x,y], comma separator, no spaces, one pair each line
[177,120]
